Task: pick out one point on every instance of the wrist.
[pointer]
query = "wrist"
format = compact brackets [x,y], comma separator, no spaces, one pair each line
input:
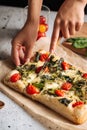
[84,2]
[32,20]
[31,24]
[34,11]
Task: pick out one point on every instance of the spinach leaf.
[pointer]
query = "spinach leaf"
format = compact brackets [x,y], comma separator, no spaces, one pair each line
[65,101]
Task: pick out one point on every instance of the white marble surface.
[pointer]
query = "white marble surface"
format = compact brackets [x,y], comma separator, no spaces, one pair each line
[12,116]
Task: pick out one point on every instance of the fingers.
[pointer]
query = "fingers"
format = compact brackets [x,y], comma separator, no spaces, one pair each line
[78,26]
[28,53]
[22,50]
[60,27]
[72,28]
[21,54]
[29,50]
[65,29]
[15,54]
[55,36]
[69,28]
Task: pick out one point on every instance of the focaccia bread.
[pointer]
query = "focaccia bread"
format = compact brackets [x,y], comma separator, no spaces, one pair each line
[20,77]
[53,82]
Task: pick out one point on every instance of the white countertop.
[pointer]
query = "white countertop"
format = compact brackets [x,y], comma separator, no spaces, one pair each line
[12,116]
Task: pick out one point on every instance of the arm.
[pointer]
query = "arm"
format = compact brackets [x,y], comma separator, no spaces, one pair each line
[69,19]
[23,42]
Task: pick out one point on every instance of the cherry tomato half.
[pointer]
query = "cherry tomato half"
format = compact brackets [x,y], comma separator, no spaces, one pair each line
[31,89]
[84,75]
[38,69]
[15,77]
[40,34]
[78,103]
[44,57]
[59,93]
[65,66]
[46,25]
[42,28]
[66,86]
[42,20]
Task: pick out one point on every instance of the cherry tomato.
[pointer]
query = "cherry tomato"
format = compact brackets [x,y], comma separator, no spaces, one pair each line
[78,103]
[42,20]
[46,25]
[59,93]
[66,86]
[85,75]
[40,34]
[44,57]
[15,77]
[38,69]
[65,66]
[31,89]
[42,28]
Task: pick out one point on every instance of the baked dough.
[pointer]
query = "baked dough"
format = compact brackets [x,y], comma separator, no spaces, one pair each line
[54,83]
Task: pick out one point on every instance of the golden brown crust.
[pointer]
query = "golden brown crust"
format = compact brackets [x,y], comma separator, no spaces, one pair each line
[78,115]
[18,86]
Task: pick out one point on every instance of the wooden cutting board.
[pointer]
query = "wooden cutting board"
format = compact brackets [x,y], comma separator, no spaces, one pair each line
[81,33]
[40,112]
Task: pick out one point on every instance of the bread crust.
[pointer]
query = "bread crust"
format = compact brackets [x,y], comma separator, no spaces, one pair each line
[18,86]
[78,115]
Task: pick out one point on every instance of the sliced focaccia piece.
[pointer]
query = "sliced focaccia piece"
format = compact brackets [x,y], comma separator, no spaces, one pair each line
[19,78]
[13,80]
[62,88]
[76,111]
[62,97]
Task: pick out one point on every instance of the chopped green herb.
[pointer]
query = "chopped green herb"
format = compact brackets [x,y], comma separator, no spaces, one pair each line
[39,85]
[37,56]
[65,101]
[49,92]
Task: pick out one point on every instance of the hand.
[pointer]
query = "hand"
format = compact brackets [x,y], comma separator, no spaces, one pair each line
[23,43]
[69,19]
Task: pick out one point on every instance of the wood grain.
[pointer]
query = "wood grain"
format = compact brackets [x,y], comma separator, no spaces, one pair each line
[81,33]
